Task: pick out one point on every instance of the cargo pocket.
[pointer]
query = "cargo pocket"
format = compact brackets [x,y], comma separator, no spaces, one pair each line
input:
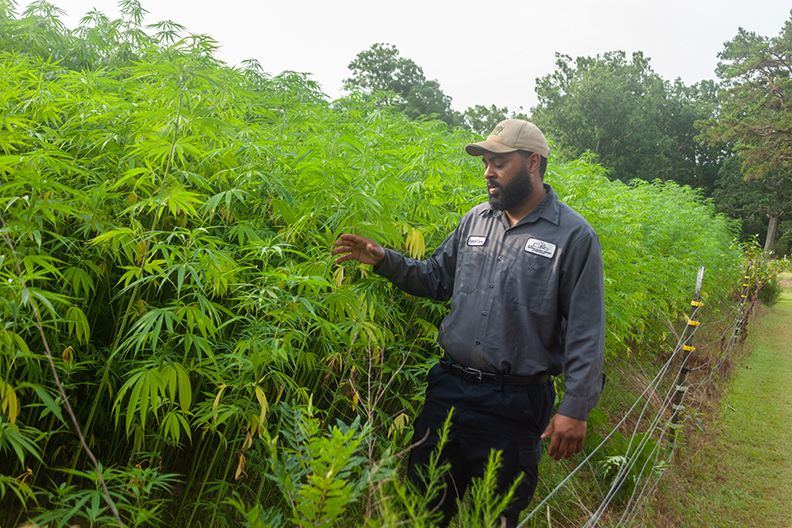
[530,455]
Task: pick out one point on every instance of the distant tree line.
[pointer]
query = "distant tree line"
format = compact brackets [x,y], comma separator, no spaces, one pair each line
[731,140]
[401,83]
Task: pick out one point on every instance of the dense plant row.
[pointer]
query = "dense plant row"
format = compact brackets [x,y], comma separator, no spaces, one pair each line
[172,220]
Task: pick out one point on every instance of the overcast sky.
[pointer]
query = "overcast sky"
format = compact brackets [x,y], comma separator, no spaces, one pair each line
[479,55]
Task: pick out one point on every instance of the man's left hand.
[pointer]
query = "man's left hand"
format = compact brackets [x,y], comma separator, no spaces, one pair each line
[567,435]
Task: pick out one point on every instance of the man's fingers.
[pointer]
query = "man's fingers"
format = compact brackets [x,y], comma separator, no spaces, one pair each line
[548,431]
[558,448]
[567,436]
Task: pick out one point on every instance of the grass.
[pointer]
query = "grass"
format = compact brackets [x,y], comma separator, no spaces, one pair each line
[740,473]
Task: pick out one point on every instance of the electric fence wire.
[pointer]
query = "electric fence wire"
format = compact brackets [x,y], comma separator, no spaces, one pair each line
[724,354]
[731,320]
[645,494]
[711,375]
[651,389]
[631,460]
[726,350]
[727,346]
[635,504]
[726,317]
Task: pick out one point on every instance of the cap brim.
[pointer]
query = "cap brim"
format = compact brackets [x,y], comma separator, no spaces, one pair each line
[478,149]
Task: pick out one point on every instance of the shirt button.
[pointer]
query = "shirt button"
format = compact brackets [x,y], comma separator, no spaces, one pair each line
[478,342]
[483,313]
[531,267]
[492,285]
[499,258]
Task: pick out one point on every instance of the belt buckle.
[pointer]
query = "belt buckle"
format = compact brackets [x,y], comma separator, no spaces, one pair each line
[474,372]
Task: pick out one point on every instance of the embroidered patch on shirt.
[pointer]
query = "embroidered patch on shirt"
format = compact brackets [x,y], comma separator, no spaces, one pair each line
[476,240]
[541,248]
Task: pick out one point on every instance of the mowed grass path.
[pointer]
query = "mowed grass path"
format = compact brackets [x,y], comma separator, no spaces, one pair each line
[744,473]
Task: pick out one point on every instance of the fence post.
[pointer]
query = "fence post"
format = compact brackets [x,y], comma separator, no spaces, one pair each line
[681,388]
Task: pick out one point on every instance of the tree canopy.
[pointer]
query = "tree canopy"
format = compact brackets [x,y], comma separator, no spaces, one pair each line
[637,124]
[401,83]
[756,116]
[382,69]
[756,107]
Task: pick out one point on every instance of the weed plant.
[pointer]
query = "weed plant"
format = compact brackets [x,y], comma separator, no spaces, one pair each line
[173,219]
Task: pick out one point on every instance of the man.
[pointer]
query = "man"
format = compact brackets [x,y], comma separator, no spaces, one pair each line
[524,274]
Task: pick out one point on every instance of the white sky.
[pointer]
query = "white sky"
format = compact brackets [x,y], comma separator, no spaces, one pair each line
[480,55]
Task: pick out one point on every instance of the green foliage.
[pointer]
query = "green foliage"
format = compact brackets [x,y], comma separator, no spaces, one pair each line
[752,201]
[755,115]
[637,124]
[764,271]
[770,293]
[315,472]
[651,247]
[483,506]
[755,111]
[381,69]
[139,494]
[172,219]
[783,246]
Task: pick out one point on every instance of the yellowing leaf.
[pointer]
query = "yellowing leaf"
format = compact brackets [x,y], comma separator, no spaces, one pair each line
[338,276]
[68,355]
[240,470]
[398,424]
[416,245]
[262,399]
[8,401]
[217,400]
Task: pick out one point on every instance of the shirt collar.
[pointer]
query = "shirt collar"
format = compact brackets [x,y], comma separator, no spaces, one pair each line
[548,209]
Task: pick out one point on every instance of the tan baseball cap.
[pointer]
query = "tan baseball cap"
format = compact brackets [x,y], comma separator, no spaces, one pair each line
[511,135]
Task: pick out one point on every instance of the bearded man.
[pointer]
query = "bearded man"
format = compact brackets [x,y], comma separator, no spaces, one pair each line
[524,275]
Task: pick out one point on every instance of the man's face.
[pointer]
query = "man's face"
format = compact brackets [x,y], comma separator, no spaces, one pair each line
[508,180]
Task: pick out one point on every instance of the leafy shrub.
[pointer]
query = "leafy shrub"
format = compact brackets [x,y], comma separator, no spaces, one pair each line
[770,293]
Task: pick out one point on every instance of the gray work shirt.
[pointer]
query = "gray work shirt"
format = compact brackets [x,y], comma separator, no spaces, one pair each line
[525,299]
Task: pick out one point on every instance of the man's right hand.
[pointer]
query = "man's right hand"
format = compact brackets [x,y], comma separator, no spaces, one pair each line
[356,247]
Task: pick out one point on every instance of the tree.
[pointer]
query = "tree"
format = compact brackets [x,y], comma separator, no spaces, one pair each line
[755,201]
[637,124]
[756,110]
[382,69]
[605,105]
[690,161]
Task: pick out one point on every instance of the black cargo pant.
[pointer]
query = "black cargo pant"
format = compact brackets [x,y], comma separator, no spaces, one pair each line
[486,416]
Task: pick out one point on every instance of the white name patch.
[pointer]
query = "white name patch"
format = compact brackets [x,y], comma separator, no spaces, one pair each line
[477,241]
[541,248]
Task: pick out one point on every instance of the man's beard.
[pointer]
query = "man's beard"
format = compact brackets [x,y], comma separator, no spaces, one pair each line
[514,193]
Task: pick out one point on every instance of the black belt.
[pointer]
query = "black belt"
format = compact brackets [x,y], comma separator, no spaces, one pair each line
[473,374]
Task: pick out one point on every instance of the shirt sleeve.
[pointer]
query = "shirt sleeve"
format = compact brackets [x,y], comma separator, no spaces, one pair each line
[433,278]
[582,304]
